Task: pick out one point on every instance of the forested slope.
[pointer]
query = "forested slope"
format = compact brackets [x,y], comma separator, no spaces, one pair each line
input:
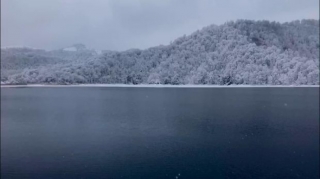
[241,52]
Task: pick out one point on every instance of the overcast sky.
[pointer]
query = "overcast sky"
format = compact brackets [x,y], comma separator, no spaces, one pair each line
[124,24]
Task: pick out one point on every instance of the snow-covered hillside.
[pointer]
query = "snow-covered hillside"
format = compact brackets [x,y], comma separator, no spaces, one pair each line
[241,52]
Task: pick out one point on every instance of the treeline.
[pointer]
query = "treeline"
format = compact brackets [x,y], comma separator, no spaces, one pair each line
[241,52]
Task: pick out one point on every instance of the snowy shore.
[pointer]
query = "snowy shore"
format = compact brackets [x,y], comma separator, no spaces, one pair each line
[160,86]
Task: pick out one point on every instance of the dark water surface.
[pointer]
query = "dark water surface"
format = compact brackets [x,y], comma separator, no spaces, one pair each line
[159,133]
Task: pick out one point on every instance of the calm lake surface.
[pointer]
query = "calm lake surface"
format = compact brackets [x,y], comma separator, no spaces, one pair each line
[159,133]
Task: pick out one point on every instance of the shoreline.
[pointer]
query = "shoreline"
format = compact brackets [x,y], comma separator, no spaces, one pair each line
[160,86]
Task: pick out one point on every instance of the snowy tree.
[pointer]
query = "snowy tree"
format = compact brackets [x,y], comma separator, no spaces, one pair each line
[240,52]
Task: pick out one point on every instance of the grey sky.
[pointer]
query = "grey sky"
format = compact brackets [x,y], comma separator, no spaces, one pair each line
[124,24]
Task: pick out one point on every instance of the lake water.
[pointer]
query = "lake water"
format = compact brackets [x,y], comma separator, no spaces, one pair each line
[159,133]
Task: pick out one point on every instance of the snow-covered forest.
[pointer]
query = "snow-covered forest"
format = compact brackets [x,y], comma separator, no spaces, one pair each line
[241,52]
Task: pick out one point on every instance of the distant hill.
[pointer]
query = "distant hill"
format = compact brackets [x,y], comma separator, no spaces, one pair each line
[241,52]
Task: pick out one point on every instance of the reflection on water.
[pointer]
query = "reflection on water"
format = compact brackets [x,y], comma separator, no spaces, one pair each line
[159,133]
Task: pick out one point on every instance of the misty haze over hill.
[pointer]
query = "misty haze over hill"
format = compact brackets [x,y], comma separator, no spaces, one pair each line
[240,52]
